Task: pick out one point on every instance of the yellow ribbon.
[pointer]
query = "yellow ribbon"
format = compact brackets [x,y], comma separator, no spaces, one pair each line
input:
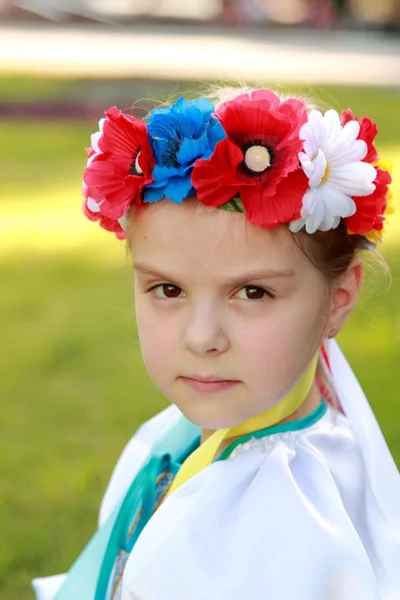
[205,453]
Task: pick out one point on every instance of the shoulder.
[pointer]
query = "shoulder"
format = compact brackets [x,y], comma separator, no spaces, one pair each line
[272,508]
[133,457]
[328,446]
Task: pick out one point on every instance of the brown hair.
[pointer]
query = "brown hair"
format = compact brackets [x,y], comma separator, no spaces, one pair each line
[331,252]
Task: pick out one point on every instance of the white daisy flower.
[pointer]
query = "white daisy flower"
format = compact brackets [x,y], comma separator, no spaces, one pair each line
[332,160]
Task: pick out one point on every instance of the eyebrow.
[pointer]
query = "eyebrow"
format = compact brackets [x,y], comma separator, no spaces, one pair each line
[248,277]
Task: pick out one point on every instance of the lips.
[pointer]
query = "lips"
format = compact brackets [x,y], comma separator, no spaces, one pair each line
[207,378]
[208,384]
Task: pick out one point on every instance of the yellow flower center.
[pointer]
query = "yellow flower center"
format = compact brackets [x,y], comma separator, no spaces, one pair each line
[326,174]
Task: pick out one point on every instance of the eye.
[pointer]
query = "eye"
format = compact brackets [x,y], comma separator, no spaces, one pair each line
[166,290]
[253,292]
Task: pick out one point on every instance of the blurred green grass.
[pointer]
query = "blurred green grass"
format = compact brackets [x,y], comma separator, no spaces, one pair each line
[72,383]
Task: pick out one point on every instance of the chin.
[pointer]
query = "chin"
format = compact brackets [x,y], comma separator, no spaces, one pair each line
[210,412]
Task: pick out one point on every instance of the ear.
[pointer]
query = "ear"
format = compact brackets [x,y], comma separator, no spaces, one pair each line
[344,296]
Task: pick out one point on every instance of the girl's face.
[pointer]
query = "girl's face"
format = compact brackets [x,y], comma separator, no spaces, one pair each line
[229,315]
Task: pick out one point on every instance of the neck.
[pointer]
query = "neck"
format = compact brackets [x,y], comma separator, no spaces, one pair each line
[312,401]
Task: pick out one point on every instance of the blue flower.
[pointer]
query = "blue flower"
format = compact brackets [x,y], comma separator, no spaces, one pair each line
[179,135]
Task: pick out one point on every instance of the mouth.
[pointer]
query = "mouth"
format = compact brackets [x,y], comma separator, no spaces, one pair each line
[208,384]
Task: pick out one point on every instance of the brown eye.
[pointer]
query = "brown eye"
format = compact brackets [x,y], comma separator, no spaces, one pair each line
[171,291]
[252,292]
[255,293]
[167,290]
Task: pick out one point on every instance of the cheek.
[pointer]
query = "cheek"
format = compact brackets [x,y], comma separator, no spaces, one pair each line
[156,335]
[277,348]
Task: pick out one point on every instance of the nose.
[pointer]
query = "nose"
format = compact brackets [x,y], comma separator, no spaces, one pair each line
[205,331]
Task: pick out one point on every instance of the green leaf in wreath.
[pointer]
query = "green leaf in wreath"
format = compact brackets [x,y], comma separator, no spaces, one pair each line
[234,205]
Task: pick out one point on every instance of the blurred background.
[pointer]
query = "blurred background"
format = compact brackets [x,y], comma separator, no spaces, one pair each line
[72,385]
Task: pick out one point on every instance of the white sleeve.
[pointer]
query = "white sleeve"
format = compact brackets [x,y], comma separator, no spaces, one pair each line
[130,462]
[269,523]
[46,588]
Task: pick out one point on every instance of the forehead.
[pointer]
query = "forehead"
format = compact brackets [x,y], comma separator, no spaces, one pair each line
[199,238]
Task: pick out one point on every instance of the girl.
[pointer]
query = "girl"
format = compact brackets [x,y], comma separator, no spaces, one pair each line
[268,477]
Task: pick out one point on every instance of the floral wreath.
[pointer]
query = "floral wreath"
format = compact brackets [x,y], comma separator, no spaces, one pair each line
[268,158]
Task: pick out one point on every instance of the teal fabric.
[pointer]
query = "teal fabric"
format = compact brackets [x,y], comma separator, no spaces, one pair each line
[89,576]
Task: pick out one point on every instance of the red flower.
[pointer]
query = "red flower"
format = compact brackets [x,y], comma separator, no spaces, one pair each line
[120,163]
[259,120]
[90,151]
[105,222]
[370,209]
[368,133]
